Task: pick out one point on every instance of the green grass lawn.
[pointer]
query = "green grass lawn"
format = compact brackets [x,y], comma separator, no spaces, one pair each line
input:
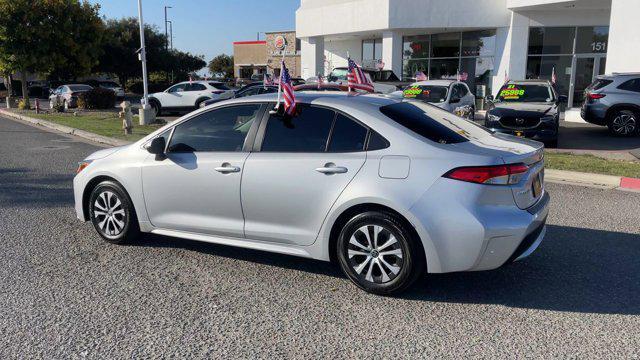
[591,164]
[106,124]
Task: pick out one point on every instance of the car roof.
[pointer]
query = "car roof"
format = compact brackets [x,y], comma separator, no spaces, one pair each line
[444,82]
[331,98]
[530,81]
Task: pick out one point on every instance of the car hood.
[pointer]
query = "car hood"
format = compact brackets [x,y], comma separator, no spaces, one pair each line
[101,154]
[523,109]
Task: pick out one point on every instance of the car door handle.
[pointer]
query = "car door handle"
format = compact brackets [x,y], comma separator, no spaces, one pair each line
[227,168]
[331,168]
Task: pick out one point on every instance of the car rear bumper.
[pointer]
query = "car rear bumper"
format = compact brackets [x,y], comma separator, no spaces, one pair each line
[474,227]
[594,114]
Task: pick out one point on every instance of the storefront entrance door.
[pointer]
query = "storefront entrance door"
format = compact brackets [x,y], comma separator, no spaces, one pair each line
[584,70]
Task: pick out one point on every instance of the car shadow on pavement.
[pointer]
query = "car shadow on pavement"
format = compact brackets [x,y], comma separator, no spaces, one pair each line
[254,256]
[592,137]
[575,270]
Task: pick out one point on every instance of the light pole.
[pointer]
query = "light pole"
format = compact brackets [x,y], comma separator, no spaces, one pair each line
[171,37]
[166,35]
[146,116]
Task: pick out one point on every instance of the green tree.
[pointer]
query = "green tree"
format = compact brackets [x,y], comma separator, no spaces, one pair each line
[47,36]
[222,64]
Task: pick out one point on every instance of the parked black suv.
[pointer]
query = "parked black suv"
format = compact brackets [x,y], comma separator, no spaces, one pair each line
[614,101]
[527,108]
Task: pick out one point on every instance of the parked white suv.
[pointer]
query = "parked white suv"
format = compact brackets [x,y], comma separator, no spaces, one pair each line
[188,95]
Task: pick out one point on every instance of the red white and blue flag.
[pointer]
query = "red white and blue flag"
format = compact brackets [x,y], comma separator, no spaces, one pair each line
[357,79]
[421,76]
[554,77]
[287,90]
[267,80]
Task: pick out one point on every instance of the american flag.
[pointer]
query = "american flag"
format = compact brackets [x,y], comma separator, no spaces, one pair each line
[320,80]
[267,80]
[287,91]
[357,79]
[554,77]
[421,76]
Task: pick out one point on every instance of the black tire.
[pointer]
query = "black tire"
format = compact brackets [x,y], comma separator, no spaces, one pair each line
[102,205]
[370,278]
[624,123]
[155,105]
[199,102]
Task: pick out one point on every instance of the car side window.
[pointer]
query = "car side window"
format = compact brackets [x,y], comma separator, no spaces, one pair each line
[178,88]
[631,85]
[268,90]
[195,87]
[249,92]
[306,132]
[347,135]
[222,129]
[377,142]
[455,94]
[462,90]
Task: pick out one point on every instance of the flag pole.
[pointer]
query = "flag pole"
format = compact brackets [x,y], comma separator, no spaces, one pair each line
[348,83]
[280,81]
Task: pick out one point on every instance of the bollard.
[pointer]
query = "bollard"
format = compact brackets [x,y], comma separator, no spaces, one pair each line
[37,106]
[127,117]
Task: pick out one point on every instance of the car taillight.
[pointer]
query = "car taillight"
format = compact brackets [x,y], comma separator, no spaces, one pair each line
[493,175]
[593,96]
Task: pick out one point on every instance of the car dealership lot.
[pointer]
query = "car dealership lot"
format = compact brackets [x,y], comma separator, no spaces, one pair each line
[65,293]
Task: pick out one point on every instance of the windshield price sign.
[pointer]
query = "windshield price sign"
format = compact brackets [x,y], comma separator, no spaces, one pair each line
[414,91]
[511,93]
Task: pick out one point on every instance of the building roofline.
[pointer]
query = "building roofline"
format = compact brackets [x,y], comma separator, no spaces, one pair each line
[255,42]
[280,32]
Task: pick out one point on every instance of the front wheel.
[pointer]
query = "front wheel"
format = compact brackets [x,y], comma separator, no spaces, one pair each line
[379,254]
[112,213]
[155,106]
[624,123]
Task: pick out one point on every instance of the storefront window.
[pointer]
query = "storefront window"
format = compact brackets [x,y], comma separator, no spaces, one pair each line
[371,52]
[551,40]
[476,72]
[412,66]
[479,43]
[542,67]
[443,68]
[592,39]
[415,47]
[445,45]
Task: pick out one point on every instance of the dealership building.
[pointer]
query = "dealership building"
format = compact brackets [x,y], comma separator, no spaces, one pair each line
[482,41]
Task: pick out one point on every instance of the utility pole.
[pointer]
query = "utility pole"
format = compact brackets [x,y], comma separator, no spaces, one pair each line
[166,35]
[171,46]
[146,115]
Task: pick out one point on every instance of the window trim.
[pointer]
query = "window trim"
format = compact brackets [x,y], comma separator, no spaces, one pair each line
[249,139]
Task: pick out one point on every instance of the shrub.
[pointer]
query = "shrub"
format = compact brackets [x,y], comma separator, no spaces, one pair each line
[97,98]
[23,105]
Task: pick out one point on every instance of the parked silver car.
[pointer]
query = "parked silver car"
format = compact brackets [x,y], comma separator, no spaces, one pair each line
[67,95]
[386,187]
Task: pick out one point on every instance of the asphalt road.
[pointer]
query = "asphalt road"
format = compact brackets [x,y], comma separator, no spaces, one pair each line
[66,294]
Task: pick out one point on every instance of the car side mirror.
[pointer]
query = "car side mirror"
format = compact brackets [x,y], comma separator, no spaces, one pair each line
[157,147]
[563,98]
[489,98]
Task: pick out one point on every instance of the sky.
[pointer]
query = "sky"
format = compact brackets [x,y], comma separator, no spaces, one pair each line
[209,27]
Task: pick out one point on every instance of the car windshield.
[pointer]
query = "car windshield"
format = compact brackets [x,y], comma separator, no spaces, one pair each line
[427,93]
[80,87]
[432,123]
[525,93]
[338,74]
[384,75]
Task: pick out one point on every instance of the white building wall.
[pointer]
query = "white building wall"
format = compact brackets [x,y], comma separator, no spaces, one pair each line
[335,52]
[623,54]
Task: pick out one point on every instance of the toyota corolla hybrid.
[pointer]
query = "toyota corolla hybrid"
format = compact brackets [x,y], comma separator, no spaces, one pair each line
[387,188]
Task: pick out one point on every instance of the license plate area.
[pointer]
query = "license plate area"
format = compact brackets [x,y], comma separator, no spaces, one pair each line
[536,187]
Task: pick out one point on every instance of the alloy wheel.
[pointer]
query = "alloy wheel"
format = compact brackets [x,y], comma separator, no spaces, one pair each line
[375,254]
[109,213]
[624,124]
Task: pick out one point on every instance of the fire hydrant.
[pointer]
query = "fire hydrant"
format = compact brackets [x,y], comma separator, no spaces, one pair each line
[127,117]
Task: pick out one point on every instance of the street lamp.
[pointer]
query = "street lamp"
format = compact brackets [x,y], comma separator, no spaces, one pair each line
[146,115]
[166,35]
[170,34]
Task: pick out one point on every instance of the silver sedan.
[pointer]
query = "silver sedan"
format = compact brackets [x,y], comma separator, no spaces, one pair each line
[387,188]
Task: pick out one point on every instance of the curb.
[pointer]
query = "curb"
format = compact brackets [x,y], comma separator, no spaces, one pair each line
[588,179]
[66,129]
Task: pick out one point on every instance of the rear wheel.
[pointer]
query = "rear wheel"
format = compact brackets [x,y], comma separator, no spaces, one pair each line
[155,106]
[624,123]
[379,254]
[112,213]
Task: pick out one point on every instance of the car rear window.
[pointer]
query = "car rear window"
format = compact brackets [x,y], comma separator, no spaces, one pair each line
[80,87]
[599,84]
[443,128]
